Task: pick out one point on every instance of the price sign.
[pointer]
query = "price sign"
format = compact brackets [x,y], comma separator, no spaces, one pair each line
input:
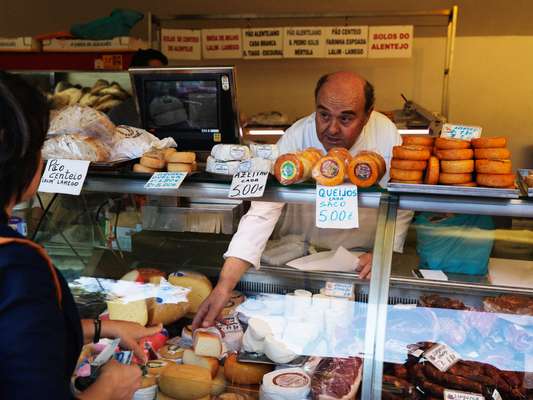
[336,207]
[442,357]
[458,395]
[248,184]
[463,132]
[338,289]
[165,180]
[64,176]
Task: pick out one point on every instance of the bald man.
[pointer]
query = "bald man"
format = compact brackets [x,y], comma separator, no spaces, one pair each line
[344,117]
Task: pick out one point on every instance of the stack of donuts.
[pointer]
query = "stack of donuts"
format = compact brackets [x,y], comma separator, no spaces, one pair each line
[412,159]
[456,162]
[493,165]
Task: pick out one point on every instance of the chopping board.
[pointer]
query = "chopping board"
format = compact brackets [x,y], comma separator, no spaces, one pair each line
[508,272]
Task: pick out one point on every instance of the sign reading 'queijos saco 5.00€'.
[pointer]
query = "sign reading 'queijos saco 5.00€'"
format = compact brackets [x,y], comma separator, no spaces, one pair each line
[336,207]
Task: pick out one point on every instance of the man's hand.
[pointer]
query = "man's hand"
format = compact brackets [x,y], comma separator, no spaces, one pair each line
[365,266]
[211,308]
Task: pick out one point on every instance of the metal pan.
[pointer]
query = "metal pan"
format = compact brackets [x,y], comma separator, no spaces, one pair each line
[453,190]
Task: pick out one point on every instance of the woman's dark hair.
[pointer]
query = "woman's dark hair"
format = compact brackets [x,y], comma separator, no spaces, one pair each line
[142,58]
[369,91]
[24,118]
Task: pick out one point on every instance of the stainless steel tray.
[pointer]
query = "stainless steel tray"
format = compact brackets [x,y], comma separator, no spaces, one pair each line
[453,190]
[522,173]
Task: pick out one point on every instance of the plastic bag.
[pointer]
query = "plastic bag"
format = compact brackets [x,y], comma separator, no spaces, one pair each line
[454,243]
[132,143]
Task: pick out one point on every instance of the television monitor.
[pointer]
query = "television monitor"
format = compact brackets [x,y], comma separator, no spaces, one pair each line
[195,105]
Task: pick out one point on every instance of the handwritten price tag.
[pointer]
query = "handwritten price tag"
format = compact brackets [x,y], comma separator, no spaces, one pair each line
[442,356]
[336,207]
[248,184]
[458,395]
[463,132]
[165,180]
[338,289]
[64,176]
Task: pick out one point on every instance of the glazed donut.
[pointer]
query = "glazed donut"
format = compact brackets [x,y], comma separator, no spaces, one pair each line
[411,153]
[450,179]
[418,140]
[365,170]
[409,182]
[457,166]
[469,184]
[292,168]
[408,164]
[489,142]
[379,159]
[143,169]
[432,171]
[494,166]
[342,154]
[492,153]
[455,154]
[329,171]
[451,144]
[406,175]
[496,180]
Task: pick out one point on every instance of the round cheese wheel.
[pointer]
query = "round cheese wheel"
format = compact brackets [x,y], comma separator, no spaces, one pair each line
[457,166]
[406,175]
[409,182]
[198,283]
[244,373]
[185,382]
[432,171]
[144,275]
[181,167]
[148,381]
[364,170]
[342,154]
[311,155]
[145,170]
[492,153]
[287,383]
[165,313]
[329,171]
[418,140]
[155,367]
[468,184]
[219,383]
[456,154]
[162,396]
[494,166]
[289,169]
[408,164]
[489,142]
[495,180]
[450,144]
[153,162]
[379,159]
[171,352]
[186,157]
[411,153]
[448,179]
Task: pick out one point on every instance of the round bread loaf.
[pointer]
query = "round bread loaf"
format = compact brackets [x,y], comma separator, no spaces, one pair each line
[451,144]
[496,180]
[406,175]
[489,142]
[494,166]
[153,162]
[450,179]
[418,140]
[145,170]
[457,166]
[492,153]
[411,153]
[408,164]
[432,171]
[455,154]
[185,157]
[329,171]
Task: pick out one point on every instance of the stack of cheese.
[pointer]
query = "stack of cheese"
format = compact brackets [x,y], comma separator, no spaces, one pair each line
[412,159]
[493,164]
[168,159]
[228,159]
[456,162]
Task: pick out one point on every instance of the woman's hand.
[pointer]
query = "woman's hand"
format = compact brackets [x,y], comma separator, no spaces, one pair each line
[115,382]
[129,333]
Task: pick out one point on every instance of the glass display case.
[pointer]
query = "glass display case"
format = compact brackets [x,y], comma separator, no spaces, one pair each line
[449,317]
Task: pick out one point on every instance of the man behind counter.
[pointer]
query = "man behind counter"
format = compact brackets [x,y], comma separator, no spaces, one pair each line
[344,117]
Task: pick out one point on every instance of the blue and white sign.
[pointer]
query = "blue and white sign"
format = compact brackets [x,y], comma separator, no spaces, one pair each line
[165,180]
[336,207]
[463,132]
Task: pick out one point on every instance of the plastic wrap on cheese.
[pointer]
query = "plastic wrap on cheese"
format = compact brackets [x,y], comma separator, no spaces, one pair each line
[255,165]
[133,142]
[266,151]
[230,152]
[222,167]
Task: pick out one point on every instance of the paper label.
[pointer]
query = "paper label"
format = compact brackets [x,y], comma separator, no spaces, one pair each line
[337,289]
[248,184]
[262,43]
[458,395]
[165,180]
[303,42]
[181,44]
[463,132]
[496,395]
[436,275]
[442,357]
[221,43]
[394,41]
[64,176]
[345,41]
[336,207]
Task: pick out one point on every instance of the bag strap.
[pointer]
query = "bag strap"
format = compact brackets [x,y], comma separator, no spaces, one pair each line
[44,255]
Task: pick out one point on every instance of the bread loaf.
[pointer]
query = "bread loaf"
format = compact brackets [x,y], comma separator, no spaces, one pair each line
[75,147]
[185,382]
[329,171]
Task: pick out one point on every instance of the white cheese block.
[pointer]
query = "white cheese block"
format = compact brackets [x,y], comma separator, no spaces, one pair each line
[252,345]
[222,167]
[230,152]
[207,344]
[286,384]
[255,164]
[266,151]
[278,351]
[134,311]
[258,328]
[198,283]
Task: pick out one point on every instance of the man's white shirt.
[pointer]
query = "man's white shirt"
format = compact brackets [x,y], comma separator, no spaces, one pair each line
[256,226]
